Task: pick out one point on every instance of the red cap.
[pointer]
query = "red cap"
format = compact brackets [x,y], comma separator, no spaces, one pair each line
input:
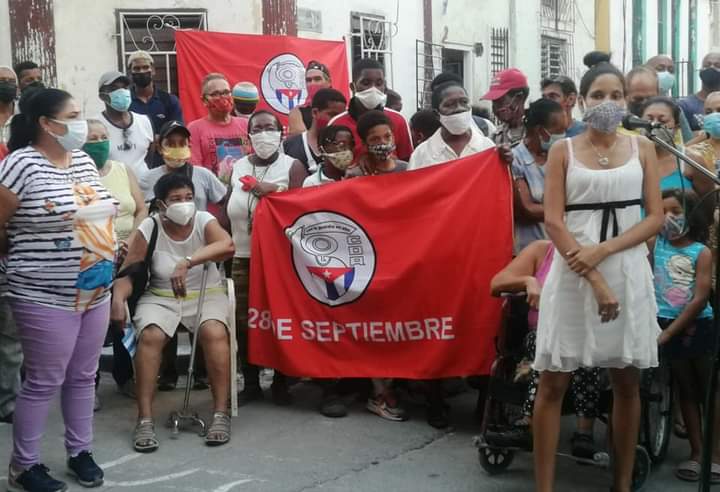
[505,81]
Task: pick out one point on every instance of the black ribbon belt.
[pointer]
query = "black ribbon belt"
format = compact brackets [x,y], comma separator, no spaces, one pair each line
[608,210]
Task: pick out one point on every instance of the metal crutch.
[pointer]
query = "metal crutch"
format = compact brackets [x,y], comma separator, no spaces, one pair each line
[177,418]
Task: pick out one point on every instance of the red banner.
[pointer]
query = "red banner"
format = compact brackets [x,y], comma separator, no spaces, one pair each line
[275,64]
[382,276]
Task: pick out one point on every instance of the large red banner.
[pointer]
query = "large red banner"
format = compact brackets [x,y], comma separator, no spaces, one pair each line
[382,276]
[275,64]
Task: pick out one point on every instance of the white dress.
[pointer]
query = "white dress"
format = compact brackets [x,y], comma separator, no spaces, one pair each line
[570,333]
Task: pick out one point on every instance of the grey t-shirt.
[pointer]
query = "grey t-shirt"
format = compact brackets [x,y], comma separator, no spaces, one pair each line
[208,188]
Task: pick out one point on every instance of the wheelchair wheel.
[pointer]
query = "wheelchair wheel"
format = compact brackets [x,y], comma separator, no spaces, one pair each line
[657,395]
[495,460]
[641,471]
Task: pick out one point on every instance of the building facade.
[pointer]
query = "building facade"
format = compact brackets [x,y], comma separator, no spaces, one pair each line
[76,40]
[639,29]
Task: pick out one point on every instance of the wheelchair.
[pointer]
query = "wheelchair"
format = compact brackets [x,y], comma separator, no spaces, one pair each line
[504,399]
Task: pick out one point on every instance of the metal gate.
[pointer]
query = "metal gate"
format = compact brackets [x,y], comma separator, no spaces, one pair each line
[684,74]
[499,50]
[154,32]
[428,64]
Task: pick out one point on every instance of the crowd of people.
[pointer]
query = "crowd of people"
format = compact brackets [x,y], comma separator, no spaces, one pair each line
[110,222]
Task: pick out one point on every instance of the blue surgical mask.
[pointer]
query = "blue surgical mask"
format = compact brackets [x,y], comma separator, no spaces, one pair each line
[554,137]
[666,81]
[120,99]
[711,124]
[75,136]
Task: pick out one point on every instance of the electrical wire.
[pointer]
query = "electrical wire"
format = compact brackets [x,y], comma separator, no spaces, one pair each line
[582,20]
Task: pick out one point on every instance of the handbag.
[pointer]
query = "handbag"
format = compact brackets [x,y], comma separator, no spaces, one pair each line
[139,272]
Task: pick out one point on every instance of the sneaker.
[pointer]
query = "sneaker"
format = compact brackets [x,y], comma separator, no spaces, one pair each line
[280,394]
[386,409]
[165,384]
[97,405]
[200,383]
[583,445]
[332,406]
[438,415]
[517,437]
[84,468]
[34,479]
[128,389]
[250,394]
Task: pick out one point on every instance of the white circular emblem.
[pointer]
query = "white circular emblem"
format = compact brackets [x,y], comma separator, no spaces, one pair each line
[283,83]
[333,257]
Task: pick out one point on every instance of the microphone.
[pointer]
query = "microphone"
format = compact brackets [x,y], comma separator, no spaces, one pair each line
[632,122]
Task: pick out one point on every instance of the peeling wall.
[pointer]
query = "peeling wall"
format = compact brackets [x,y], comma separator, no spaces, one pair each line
[32,35]
[279,17]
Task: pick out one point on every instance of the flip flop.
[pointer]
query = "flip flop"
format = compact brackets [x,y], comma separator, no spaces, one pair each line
[689,471]
[715,473]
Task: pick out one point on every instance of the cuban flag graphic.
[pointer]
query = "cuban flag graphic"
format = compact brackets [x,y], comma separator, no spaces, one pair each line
[292,96]
[337,280]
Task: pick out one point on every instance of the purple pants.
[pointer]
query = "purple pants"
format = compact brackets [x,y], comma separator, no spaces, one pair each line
[61,350]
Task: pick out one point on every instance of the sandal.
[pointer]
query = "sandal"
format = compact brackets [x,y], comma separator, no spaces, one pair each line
[688,471]
[715,474]
[679,430]
[219,431]
[144,438]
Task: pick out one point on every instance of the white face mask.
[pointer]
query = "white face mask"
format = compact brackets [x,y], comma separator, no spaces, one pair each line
[371,98]
[181,213]
[457,123]
[75,136]
[265,144]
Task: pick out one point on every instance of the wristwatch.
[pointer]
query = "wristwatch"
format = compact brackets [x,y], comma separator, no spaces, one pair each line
[189,261]
[281,188]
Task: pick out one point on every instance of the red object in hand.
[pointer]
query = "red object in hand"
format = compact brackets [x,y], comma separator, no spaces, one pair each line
[249,182]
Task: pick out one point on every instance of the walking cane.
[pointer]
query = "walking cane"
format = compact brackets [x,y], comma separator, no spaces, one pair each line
[179,417]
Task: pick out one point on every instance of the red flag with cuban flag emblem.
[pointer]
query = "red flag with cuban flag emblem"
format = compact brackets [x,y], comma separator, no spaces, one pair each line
[275,64]
[382,276]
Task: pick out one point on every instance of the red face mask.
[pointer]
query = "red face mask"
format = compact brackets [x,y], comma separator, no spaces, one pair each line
[321,122]
[312,90]
[221,104]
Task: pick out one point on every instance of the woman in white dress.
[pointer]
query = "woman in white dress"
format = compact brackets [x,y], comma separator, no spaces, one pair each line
[598,305]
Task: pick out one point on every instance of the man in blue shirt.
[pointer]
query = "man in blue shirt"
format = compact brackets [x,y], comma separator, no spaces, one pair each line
[149,100]
[563,91]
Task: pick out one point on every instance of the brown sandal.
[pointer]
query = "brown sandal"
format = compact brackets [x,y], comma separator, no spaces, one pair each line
[219,431]
[144,438]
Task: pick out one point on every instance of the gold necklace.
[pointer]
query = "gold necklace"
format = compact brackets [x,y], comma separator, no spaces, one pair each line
[603,160]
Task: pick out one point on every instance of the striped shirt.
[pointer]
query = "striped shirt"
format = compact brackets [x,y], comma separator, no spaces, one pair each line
[61,237]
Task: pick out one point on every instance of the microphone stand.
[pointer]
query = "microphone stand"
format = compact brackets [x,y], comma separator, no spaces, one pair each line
[709,408]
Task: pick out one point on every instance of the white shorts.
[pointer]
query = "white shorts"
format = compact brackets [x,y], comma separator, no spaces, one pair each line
[168,312]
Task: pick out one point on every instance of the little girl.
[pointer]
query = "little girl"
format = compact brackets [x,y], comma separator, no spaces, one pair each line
[683,276]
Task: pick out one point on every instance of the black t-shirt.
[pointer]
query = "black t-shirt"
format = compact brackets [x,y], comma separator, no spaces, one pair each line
[306,112]
[298,148]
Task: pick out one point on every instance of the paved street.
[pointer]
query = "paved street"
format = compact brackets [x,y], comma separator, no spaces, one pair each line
[297,450]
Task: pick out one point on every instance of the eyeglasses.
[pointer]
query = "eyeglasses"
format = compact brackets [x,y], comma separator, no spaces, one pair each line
[216,94]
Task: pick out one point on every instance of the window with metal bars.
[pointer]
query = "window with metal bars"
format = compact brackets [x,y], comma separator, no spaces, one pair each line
[499,52]
[370,37]
[154,32]
[553,57]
